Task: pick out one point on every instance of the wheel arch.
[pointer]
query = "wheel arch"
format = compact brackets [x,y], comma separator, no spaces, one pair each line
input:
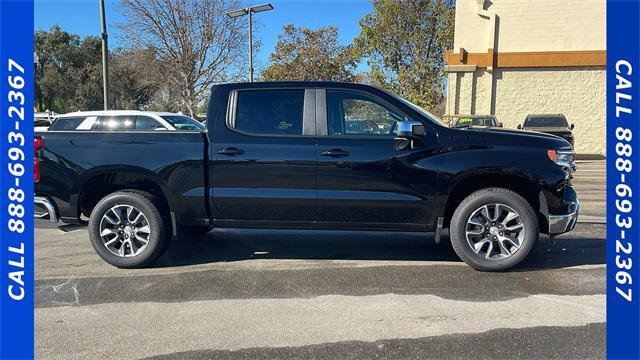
[520,184]
[97,184]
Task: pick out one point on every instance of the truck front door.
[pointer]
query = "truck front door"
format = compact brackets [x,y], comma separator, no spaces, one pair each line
[364,180]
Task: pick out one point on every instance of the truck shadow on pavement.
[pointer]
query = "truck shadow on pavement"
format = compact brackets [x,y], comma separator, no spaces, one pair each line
[227,245]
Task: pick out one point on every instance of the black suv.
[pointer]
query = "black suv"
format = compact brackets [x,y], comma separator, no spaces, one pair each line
[554,124]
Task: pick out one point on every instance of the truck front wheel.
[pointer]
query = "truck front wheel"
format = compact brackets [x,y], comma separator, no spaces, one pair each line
[493,229]
[127,230]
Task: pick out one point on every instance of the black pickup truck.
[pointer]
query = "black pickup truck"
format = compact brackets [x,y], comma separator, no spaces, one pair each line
[553,124]
[319,155]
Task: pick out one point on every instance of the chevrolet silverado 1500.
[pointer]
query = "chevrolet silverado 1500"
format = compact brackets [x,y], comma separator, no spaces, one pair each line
[319,155]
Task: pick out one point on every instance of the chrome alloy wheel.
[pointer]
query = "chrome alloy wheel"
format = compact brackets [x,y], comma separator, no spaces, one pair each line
[495,231]
[125,231]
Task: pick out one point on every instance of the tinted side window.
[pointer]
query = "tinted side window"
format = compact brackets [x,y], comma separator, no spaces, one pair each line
[270,112]
[147,123]
[115,123]
[66,123]
[183,123]
[358,114]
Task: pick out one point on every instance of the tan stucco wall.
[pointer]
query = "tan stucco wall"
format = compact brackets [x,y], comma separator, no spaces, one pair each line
[532,25]
[579,94]
[512,93]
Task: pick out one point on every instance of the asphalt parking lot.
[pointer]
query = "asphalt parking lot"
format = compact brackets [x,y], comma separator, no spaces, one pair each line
[312,294]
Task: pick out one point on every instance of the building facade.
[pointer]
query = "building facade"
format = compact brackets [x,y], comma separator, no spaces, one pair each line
[512,58]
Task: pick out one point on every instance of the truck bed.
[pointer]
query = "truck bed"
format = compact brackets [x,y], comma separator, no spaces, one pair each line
[76,165]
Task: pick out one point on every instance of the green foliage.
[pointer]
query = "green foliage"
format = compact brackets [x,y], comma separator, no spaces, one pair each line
[305,54]
[61,69]
[404,43]
[69,75]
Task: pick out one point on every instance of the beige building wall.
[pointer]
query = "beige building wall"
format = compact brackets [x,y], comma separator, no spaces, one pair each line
[517,57]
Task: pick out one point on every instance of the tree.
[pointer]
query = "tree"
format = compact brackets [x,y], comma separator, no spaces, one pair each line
[305,54]
[67,74]
[404,43]
[137,79]
[196,38]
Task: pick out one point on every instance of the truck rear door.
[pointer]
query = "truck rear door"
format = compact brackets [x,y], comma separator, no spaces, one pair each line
[263,159]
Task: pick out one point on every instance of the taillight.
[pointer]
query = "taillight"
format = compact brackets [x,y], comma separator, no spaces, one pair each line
[38,144]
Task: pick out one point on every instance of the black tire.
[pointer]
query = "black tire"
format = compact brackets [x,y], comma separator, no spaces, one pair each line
[483,197]
[159,236]
[196,230]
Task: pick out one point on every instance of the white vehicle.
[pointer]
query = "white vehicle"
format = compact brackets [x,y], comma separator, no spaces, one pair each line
[125,120]
[42,120]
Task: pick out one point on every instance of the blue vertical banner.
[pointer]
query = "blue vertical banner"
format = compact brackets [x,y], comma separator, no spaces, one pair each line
[623,180]
[16,179]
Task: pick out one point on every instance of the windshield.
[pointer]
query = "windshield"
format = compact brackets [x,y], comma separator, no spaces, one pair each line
[467,121]
[549,121]
[181,122]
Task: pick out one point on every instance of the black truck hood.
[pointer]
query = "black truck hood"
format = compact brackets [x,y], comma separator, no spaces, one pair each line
[498,130]
[517,137]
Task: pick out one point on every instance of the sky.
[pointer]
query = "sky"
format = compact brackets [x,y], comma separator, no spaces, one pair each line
[82,17]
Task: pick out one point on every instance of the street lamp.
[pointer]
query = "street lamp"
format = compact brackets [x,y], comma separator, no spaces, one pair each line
[248,11]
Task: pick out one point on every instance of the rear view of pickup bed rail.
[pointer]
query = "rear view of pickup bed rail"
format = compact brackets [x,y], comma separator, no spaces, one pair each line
[319,155]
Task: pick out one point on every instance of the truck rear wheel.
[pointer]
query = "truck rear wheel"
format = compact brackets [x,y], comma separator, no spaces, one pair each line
[127,230]
[493,229]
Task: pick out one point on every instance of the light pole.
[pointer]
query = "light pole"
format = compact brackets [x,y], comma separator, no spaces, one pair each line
[105,59]
[248,11]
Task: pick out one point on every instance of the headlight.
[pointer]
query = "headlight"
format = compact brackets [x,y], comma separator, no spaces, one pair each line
[562,157]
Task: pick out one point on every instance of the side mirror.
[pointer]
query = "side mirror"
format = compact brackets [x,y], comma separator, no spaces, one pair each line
[519,127]
[571,127]
[500,124]
[410,129]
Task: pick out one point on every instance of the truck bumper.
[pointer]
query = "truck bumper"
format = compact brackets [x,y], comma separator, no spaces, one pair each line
[43,209]
[563,223]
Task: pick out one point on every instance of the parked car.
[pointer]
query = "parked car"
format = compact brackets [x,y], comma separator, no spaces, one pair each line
[43,120]
[554,124]
[124,120]
[276,155]
[476,121]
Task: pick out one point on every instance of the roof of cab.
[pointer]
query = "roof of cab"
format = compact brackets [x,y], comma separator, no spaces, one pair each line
[306,84]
